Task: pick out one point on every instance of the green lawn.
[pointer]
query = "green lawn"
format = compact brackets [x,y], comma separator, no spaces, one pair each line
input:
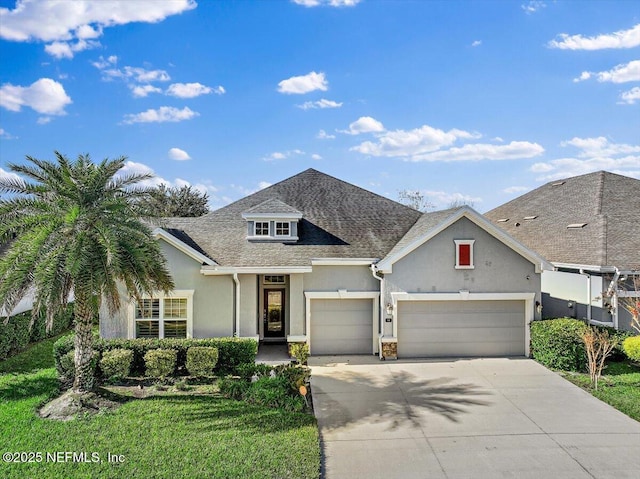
[618,386]
[169,436]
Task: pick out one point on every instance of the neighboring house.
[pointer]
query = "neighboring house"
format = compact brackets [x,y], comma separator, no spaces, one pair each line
[588,227]
[315,259]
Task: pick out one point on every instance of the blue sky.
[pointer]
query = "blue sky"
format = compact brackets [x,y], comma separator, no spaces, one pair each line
[477,101]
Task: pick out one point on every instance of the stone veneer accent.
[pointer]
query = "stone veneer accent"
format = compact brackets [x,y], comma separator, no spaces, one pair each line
[390,350]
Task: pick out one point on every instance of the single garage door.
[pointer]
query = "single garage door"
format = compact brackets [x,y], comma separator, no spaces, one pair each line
[341,326]
[460,328]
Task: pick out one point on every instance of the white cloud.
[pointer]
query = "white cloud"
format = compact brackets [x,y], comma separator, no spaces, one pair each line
[178,154]
[533,6]
[46,96]
[69,49]
[140,91]
[622,73]
[264,184]
[189,90]
[315,156]
[594,154]
[307,105]
[323,135]
[43,120]
[364,124]
[281,155]
[442,198]
[631,96]
[402,143]
[620,39]
[599,147]
[5,135]
[219,90]
[483,151]
[103,63]
[161,115]
[328,3]
[476,43]
[72,26]
[304,84]
[516,189]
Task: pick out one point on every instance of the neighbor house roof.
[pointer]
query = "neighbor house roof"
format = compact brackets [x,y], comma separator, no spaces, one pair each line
[339,220]
[591,219]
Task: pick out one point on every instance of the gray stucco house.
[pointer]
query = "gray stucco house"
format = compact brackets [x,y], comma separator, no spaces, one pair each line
[588,227]
[315,259]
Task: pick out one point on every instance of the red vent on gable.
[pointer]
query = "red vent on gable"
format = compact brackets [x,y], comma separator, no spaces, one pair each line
[464,255]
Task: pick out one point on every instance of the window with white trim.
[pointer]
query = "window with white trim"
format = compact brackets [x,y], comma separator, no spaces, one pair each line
[464,254]
[262,228]
[164,317]
[282,228]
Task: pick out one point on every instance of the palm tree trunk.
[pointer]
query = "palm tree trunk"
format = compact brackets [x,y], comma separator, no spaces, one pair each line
[83,356]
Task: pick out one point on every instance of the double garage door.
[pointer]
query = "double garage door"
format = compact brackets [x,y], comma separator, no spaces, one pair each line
[461,328]
[341,326]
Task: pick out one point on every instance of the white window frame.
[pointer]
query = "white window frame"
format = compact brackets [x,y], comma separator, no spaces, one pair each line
[458,243]
[275,229]
[255,228]
[175,294]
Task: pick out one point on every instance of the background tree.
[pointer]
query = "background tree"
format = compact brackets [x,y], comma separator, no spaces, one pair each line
[176,201]
[75,227]
[460,202]
[629,299]
[415,199]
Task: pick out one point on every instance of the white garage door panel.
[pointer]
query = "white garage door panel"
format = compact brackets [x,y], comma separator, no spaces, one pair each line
[461,328]
[341,326]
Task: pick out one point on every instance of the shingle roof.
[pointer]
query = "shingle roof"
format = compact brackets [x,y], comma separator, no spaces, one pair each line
[608,204]
[425,223]
[340,220]
[272,206]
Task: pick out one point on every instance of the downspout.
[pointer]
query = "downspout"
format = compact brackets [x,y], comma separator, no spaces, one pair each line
[612,292]
[381,306]
[237,308]
[583,273]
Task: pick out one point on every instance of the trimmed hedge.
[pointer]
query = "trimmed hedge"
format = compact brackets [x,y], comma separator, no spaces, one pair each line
[160,363]
[631,348]
[232,352]
[201,360]
[116,363]
[16,335]
[557,343]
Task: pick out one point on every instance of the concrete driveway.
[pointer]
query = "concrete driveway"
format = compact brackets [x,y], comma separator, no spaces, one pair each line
[466,418]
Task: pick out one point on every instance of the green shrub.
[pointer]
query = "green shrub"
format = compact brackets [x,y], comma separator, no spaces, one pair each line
[201,360]
[66,368]
[557,344]
[300,351]
[247,371]
[277,387]
[116,363]
[235,351]
[631,348]
[16,334]
[160,363]
[233,388]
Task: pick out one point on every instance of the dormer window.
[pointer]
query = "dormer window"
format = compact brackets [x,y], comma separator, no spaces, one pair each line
[282,228]
[261,228]
[272,220]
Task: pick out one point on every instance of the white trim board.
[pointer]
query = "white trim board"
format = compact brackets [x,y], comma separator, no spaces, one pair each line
[223,270]
[386,265]
[343,294]
[343,261]
[528,298]
[160,233]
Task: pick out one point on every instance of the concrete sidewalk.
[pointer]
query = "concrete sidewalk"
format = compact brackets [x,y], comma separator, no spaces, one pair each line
[467,418]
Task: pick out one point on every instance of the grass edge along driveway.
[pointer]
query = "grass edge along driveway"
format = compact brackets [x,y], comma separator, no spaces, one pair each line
[168,436]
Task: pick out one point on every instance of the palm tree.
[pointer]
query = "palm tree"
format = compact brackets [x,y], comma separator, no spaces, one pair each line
[75,226]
